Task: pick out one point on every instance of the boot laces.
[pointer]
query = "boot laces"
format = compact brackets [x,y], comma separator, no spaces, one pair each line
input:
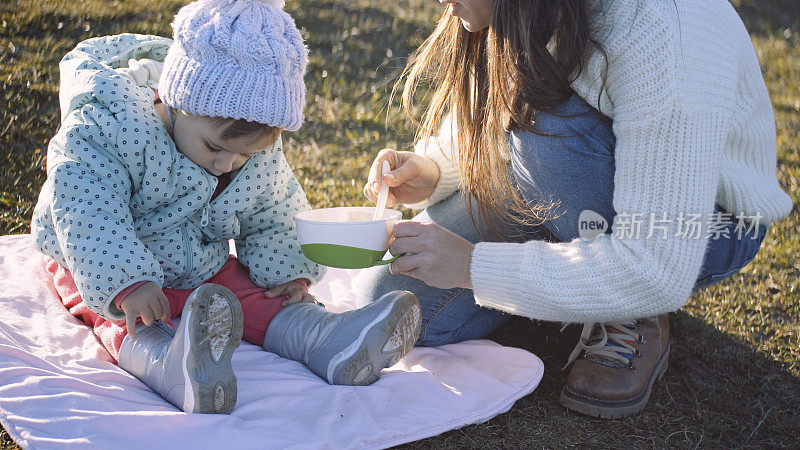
[612,344]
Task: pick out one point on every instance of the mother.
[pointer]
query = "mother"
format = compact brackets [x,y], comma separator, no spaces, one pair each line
[550,121]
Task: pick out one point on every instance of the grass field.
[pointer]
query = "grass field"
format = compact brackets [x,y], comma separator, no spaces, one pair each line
[734,377]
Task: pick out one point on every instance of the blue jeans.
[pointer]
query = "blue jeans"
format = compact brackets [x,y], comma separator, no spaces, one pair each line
[575,168]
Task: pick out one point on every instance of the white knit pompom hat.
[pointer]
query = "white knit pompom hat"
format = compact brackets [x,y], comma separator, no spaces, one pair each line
[239,59]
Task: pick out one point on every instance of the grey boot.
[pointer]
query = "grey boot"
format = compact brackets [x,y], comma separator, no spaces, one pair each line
[190,367]
[348,348]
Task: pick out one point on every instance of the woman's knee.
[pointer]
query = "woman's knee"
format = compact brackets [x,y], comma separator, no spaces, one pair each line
[453,213]
[571,167]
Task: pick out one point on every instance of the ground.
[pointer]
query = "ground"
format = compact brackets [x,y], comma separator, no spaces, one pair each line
[734,376]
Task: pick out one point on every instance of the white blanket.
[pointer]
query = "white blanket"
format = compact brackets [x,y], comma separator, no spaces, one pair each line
[58,386]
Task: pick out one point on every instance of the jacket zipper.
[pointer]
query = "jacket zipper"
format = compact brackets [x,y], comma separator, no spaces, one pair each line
[189,261]
[224,191]
[204,218]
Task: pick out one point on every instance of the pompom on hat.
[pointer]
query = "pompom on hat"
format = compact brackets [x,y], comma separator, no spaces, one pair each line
[239,59]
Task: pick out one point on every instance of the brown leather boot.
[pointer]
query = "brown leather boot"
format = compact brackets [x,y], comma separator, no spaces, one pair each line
[620,362]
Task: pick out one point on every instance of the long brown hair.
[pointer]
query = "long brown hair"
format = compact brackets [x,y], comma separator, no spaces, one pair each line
[493,81]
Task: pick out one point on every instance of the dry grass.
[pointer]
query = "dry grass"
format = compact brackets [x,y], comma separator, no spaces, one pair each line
[734,379]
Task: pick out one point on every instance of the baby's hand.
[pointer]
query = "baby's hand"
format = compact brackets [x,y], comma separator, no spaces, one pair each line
[295,290]
[146,301]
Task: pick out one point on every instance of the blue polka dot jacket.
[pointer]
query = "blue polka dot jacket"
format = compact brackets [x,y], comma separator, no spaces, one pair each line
[121,204]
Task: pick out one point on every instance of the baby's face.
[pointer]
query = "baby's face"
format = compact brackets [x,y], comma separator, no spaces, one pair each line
[198,138]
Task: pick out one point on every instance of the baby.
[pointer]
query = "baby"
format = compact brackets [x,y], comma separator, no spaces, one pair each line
[146,186]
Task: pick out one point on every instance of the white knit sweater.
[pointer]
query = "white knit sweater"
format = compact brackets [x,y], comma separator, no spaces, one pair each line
[693,124]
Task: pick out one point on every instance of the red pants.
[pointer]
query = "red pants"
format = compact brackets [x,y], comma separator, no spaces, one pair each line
[258,310]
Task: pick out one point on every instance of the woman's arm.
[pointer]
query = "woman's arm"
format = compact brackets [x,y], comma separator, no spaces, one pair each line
[672,97]
[418,179]
[442,150]
[664,165]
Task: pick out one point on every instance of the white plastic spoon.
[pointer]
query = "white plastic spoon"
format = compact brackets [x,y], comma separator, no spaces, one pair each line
[383,194]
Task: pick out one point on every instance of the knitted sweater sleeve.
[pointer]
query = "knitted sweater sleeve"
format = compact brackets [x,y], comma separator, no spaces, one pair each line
[439,148]
[671,123]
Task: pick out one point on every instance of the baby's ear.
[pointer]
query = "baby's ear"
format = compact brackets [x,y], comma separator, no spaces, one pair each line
[274,133]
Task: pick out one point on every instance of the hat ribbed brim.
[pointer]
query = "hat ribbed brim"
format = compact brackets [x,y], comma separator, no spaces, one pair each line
[218,90]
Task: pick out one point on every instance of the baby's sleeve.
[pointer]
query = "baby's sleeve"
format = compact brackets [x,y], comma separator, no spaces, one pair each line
[268,244]
[89,189]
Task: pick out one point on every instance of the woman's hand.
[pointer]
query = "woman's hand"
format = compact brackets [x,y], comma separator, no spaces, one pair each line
[412,179]
[435,255]
[294,290]
[146,301]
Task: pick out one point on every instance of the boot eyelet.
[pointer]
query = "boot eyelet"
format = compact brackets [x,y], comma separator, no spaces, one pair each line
[641,339]
[631,368]
[639,322]
[637,353]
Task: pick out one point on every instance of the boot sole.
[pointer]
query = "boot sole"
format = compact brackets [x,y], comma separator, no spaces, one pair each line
[381,344]
[211,383]
[619,409]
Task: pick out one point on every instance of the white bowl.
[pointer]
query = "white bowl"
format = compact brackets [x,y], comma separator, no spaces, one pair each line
[345,237]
